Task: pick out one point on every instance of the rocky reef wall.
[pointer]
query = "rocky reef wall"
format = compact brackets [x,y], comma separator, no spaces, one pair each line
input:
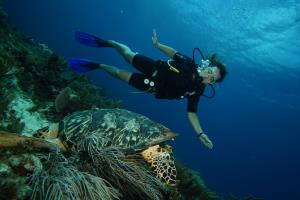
[36,86]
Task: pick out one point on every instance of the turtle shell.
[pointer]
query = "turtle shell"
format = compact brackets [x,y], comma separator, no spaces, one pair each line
[112,127]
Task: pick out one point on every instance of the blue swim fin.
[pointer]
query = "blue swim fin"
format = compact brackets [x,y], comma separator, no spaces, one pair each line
[82,65]
[90,40]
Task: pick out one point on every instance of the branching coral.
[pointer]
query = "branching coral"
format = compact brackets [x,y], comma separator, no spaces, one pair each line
[61,180]
[133,180]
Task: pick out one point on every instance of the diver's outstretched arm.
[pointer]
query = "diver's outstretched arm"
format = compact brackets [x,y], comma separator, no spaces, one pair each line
[196,125]
[169,51]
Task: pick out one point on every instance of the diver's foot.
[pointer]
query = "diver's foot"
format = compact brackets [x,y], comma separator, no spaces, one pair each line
[206,141]
[90,40]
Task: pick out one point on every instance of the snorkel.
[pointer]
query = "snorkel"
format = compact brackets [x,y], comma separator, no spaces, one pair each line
[200,67]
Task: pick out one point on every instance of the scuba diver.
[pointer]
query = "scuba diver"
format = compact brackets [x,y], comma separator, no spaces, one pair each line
[177,78]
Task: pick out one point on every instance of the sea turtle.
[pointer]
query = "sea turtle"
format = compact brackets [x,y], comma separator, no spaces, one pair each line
[92,130]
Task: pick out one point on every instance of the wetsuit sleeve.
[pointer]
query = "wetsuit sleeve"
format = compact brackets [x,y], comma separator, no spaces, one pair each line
[192,104]
[178,57]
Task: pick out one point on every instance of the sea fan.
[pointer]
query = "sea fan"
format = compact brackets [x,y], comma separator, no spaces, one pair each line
[131,178]
[61,180]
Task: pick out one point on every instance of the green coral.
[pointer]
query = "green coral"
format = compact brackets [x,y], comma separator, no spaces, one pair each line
[14,171]
[191,186]
[132,177]
[31,70]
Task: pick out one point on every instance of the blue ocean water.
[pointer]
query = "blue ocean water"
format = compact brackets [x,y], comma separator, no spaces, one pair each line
[254,119]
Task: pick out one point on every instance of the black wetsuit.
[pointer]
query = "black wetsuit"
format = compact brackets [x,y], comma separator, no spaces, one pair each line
[174,80]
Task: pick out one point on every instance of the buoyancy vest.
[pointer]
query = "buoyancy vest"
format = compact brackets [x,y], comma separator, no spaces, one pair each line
[177,78]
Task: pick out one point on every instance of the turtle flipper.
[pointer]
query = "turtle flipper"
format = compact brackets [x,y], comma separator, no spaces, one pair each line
[162,162]
[12,140]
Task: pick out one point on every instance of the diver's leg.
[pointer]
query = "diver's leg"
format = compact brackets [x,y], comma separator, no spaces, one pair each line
[116,72]
[124,50]
[136,80]
[142,63]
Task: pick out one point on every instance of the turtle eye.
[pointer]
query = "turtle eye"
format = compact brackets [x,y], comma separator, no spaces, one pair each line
[37,134]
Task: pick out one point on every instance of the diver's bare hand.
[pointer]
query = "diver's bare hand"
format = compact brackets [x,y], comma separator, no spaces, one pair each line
[154,38]
[206,141]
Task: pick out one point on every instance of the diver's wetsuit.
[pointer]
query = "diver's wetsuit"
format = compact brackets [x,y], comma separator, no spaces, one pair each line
[174,80]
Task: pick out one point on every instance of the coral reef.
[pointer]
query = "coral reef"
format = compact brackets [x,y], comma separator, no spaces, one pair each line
[61,180]
[106,174]
[32,79]
[14,171]
[191,186]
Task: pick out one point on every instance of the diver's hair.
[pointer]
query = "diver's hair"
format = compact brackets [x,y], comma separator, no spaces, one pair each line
[220,65]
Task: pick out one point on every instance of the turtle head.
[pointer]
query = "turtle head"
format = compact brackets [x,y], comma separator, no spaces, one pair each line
[170,135]
[165,136]
[47,132]
[161,160]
